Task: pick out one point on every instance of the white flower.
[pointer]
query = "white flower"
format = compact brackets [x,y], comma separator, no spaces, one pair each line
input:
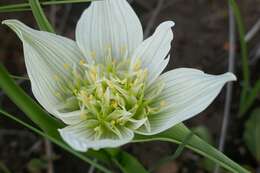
[107,86]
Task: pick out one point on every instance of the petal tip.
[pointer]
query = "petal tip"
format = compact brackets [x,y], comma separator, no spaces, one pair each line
[230,76]
[8,21]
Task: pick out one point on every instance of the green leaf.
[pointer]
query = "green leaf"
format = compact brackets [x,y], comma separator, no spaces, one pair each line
[28,105]
[126,162]
[36,165]
[58,142]
[26,6]
[178,133]
[244,51]
[203,133]
[3,168]
[175,155]
[252,134]
[250,99]
[38,14]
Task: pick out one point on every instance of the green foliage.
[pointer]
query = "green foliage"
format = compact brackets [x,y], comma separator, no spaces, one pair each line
[38,14]
[203,133]
[252,134]
[176,154]
[244,49]
[36,165]
[248,95]
[250,98]
[3,168]
[26,6]
[178,133]
[126,162]
[60,143]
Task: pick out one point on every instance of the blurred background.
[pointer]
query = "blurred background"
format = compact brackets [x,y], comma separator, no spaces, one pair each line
[201,41]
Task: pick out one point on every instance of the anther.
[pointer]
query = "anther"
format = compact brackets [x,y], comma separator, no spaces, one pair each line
[66,66]
[82,62]
[163,103]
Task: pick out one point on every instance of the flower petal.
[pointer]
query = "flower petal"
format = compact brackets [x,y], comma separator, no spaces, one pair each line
[81,137]
[152,51]
[46,55]
[108,24]
[187,92]
[70,118]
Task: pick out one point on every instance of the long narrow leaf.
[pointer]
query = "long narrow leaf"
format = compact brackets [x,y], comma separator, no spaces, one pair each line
[244,51]
[41,19]
[28,105]
[26,6]
[126,162]
[250,98]
[58,142]
[178,133]
[176,154]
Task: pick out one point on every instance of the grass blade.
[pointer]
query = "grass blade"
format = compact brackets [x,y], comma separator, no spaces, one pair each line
[40,17]
[178,133]
[177,153]
[57,142]
[26,6]
[28,105]
[244,50]
[126,162]
[250,99]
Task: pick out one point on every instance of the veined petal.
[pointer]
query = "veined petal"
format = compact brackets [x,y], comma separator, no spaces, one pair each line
[187,92]
[81,137]
[108,24]
[152,51]
[46,57]
[70,118]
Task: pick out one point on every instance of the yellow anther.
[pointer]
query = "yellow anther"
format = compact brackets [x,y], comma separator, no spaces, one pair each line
[66,66]
[113,122]
[93,54]
[90,97]
[114,61]
[120,122]
[56,77]
[137,64]
[114,104]
[82,62]
[145,72]
[163,103]
[57,94]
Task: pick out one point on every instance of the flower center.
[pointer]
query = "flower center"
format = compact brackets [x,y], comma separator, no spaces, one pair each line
[109,94]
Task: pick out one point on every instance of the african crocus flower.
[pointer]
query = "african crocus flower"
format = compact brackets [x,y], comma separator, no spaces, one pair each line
[107,85]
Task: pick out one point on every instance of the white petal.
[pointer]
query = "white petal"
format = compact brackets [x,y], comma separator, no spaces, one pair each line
[70,118]
[108,23]
[187,92]
[81,137]
[45,56]
[152,51]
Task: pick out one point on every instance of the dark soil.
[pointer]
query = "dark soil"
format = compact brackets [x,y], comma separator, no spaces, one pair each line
[201,41]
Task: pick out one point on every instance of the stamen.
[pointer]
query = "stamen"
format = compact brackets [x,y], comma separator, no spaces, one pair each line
[102,89]
[82,62]
[66,66]
[56,77]
[163,103]
[137,64]
[114,104]
[93,54]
